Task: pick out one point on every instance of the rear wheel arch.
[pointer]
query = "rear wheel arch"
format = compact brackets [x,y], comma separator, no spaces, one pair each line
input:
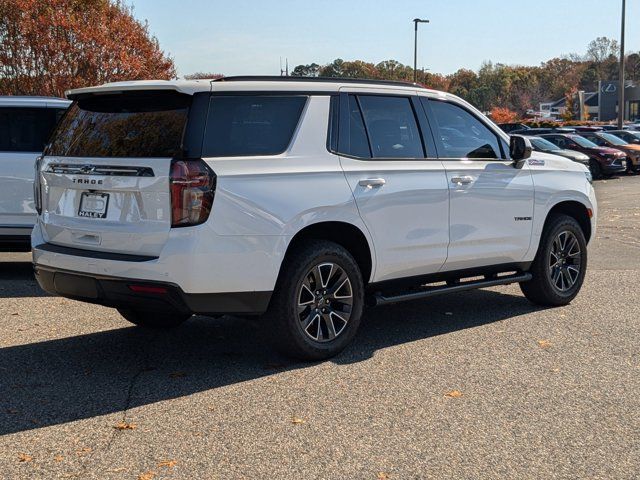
[344,234]
[577,210]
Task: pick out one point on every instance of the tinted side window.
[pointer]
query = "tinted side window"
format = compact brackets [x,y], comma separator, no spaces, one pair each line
[251,125]
[462,135]
[332,136]
[358,144]
[26,129]
[392,127]
[595,139]
[559,141]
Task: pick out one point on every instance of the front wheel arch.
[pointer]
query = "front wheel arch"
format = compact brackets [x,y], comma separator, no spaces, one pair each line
[577,210]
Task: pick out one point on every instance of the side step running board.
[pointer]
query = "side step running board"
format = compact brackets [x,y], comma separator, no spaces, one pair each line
[379,299]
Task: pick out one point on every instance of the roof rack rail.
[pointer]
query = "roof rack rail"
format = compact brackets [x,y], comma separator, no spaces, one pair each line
[275,78]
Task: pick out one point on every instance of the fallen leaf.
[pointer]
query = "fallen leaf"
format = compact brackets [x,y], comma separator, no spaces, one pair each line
[58,458]
[296,420]
[544,343]
[383,476]
[125,426]
[84,450]
[23,457]
[168,464]
[177,374]
[147,475]
[453,394]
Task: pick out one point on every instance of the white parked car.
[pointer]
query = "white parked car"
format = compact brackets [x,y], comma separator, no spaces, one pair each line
[299,199]
[25,126]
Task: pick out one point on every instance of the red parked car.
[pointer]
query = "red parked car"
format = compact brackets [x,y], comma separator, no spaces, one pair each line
[603,161]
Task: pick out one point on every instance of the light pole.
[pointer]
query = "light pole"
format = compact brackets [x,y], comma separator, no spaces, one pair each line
[416,21]
[621,94]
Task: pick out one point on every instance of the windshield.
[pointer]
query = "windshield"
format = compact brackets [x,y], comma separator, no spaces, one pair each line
[542,144]
[612,139]
[143,124]
[583,142]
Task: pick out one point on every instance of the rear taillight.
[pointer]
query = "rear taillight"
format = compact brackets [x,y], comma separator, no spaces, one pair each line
[192,185]
[37,186]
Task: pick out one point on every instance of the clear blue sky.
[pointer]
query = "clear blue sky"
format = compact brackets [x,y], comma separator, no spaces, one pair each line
[240,37]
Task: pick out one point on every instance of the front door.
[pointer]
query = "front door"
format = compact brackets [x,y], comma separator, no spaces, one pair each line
[491,202]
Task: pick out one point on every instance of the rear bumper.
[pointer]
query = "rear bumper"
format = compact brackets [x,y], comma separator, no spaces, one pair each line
[15,238]
[146,295]
[15,243]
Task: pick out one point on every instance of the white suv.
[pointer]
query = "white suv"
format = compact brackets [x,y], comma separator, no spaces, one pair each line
[300,199]
[25,126]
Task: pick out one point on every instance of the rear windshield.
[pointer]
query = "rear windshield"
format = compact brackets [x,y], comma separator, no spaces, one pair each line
[251,125]
[26,129]
[124,125]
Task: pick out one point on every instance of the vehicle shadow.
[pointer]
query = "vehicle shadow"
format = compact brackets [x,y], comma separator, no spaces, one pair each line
[63,380]
[17,280]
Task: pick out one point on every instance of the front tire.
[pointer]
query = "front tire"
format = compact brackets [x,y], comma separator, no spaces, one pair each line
[155,320]
[560,265]
[596,169]
[316,308]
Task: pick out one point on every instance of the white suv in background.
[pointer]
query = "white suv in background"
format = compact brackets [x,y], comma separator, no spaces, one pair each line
[25,126]
[299,199]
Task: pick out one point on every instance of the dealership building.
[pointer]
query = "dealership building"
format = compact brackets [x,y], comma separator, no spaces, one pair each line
[601,105]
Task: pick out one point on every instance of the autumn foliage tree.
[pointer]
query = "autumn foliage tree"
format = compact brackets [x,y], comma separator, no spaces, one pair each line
[503,115]
[518,88]
[49,46]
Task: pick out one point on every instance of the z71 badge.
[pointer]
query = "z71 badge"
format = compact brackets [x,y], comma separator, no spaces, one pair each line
[535,161]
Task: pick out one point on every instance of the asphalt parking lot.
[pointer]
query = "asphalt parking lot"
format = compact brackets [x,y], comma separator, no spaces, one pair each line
[474,385]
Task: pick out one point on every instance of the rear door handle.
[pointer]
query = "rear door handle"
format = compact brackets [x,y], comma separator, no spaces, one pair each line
[466,180]
[372,182]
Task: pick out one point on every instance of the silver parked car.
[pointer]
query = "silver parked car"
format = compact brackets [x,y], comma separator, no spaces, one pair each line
[25,126]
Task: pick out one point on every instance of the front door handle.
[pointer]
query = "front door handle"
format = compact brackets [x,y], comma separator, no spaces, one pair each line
[372,182]
[466,180]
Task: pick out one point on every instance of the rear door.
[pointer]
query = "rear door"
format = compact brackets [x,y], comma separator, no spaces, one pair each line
[399,186]
[23,133]
[105,176]
[491,202]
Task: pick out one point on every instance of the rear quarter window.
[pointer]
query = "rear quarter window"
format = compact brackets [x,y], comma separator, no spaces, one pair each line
[125,125]
[251,125]
[26,129]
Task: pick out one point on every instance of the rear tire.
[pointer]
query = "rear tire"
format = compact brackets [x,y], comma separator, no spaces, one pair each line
[156,320]
[317,305]
[560,265]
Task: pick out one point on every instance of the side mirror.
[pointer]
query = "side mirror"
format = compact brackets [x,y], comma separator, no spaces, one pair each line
[520,149]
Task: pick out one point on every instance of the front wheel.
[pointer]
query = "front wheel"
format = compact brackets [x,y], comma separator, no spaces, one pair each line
[317,305]
[560,265]
[150,319]
[596,169]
